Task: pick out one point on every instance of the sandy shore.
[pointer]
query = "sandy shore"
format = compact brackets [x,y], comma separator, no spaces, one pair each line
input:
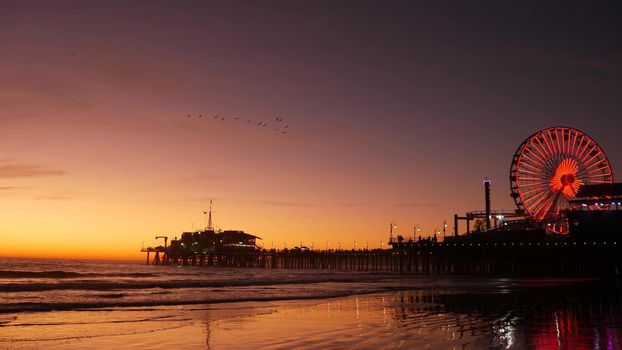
[537,318]
[370,321]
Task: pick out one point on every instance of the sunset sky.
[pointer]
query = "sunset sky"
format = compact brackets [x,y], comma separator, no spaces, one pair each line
[395,111]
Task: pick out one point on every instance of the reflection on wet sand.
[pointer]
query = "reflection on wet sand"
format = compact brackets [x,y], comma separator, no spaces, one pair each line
[510,314]
[540,319]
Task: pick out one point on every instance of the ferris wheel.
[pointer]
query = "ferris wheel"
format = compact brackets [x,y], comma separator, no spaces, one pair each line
[547,170]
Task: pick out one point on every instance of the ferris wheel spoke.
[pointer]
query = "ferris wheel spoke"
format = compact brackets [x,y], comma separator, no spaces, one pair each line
[554,140]
[601,175]
[598,153]
[598,161]
[553,199]
[552,165]
[538,153]
[598,169]
[549,142]
[524,171]
[533,161]
[560,140]
[533,205]
[533,184]
[544,146]
[534,167]
[574,142]
[567,137]
[540,148]
[587,154]
[546,138]
[559,137]
[583,174]
[530,178]
[524,193]
[586,150]
[536,199]
[544,209]
[547,154]
[529,152]
[583,146]
[540,191]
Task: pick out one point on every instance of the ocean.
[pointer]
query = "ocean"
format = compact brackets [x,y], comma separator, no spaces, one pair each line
[73,304]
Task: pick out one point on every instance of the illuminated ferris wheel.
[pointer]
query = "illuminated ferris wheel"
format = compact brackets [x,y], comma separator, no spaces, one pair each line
[547,170]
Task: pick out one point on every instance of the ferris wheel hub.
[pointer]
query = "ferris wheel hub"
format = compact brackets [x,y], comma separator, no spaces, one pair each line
[568,179]
[565,178]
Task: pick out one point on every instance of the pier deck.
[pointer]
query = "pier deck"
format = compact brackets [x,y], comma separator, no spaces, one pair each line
[595,258]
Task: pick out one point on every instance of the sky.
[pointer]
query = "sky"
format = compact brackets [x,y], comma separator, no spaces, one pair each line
[395,112]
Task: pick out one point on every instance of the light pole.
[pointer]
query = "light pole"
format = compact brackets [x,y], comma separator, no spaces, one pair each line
[327,245]
[355,245]
[381,245]
[338,245]
[392,226]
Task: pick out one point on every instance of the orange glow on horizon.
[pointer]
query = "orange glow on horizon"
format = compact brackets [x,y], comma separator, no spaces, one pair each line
[303,122]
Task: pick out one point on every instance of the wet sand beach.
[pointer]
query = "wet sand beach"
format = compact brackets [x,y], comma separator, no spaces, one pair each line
[423,319]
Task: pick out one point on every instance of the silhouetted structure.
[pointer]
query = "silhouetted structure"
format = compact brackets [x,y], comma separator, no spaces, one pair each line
[487,200]
[531,244]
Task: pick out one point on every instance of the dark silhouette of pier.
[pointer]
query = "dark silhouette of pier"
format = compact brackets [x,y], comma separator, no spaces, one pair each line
[516,258]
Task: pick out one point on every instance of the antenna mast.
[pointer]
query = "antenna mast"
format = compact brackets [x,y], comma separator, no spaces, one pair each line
[210,227]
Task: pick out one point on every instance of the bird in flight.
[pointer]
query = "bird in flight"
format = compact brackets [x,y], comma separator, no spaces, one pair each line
[279,128]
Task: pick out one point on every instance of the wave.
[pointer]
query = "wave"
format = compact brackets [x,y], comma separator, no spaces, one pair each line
[110,305]
[12,322]
[93,285]
[14,274]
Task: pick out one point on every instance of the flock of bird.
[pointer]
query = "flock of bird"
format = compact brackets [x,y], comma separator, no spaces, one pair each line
[278,126]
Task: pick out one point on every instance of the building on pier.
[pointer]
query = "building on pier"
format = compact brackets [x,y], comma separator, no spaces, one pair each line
[606,222]
[212,241]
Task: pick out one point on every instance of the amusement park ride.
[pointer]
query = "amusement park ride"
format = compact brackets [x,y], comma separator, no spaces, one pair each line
[548,169]
[555,173]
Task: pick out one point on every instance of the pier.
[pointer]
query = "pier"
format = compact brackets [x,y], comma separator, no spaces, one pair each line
[567,223]
[559,258]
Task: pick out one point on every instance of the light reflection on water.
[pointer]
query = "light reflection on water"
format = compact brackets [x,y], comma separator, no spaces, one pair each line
[551,318]
[505,314]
